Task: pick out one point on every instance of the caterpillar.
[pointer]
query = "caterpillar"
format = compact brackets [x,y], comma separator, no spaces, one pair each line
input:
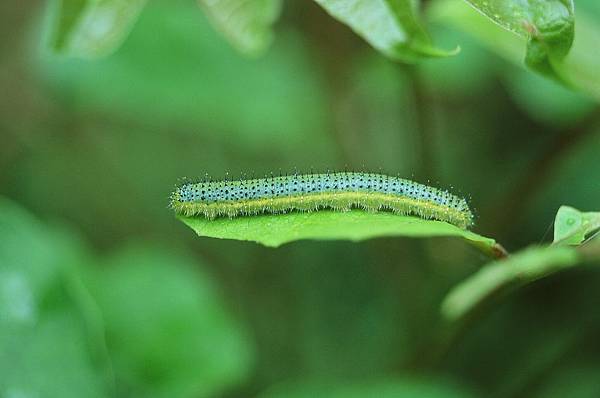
[339,191]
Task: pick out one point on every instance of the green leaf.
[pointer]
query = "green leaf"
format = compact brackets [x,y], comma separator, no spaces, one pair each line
[571,226]
[52,360]
[355,225]
[168,333]
[526,266]
[577,70]
[548,25]
[390,26]
[92,28]
[461,16]
[246,23]
[45,346]
[390,388]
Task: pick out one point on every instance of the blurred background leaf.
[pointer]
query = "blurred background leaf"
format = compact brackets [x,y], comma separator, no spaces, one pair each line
[44,337]
[92,28]
[391,26]
[168,333]
[246,23]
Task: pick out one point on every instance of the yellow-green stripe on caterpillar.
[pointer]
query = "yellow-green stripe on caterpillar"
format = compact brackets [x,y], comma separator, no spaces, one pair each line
[311,192]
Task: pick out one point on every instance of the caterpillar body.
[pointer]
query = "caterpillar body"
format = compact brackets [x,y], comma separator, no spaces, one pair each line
[339,191]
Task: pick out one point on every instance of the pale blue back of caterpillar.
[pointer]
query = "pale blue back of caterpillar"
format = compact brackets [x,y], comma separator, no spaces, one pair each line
[304,184]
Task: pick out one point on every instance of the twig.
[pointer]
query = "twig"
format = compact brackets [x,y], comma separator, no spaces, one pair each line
[423,123]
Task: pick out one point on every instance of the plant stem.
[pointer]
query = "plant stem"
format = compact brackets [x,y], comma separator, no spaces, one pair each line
[423,123]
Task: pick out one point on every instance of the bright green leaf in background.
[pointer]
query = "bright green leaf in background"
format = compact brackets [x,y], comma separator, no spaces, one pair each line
[549,26]
[167,332]
[45,344]
[571,226]
[246,23]
[577,69]
[390,26]
[355,225]
[92,28]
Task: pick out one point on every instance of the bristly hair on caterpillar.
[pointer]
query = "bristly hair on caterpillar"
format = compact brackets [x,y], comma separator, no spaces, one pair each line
[340,191]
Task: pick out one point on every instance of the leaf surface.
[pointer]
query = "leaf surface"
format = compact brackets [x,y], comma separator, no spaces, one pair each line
[571,226]
[391,26]
[548,26]
[91,29]
[356,225]
[247,24]
[519,269]
[577,69]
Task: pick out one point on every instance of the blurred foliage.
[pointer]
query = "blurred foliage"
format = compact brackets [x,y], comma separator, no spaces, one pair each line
[383,388]
[166,330]
[104,293]
[43,333]
[144,322]
[247,24]
[185,81]
[91,28]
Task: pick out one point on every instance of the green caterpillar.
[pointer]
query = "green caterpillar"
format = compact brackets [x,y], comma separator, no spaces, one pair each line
[311,192]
